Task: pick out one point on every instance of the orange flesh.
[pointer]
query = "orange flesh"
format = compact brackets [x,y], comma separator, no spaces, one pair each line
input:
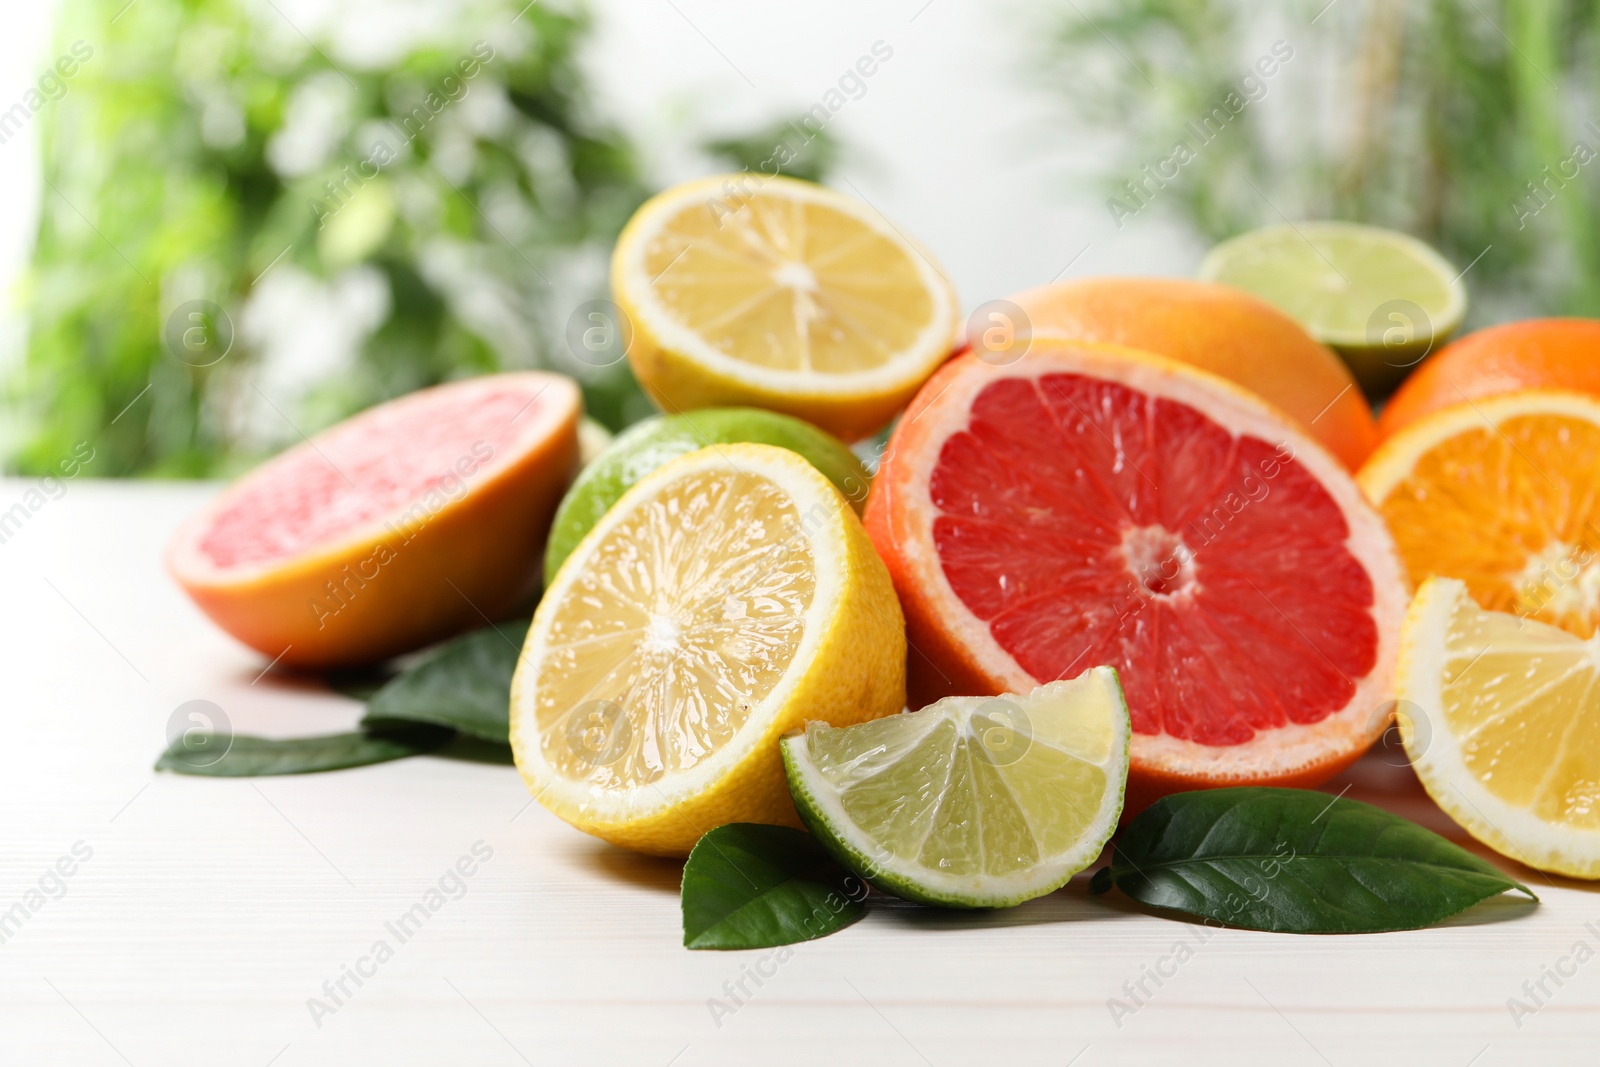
[1514,512]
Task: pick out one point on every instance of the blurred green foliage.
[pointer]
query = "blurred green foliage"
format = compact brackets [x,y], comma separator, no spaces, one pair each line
[219,181]
[1437,117]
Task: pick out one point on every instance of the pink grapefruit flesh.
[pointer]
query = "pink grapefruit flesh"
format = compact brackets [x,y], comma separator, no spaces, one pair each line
[1090,505]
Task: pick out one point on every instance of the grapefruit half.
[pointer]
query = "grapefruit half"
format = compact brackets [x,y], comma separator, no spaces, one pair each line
[1093,505]
[402,525]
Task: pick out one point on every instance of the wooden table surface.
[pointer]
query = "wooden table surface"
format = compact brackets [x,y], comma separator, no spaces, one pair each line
[202,916]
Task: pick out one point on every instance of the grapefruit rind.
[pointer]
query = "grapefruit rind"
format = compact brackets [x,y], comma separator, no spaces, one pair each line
[848,668]
[1094,693]
[962,648]
[1436,753]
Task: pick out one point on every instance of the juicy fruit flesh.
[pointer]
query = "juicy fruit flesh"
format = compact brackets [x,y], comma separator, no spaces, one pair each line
[968,787]
[356,475]
[684,618]
[1335,280]
[1088,523]
[1512,512]
[1521,700]
[788,284]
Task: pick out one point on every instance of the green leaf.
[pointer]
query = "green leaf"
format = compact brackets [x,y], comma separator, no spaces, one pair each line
[1295,861]
[244,756]
[752,886]
[464,684]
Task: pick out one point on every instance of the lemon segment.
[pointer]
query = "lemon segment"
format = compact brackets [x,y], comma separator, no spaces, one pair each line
[1501,718]
[973,801]
[781,294]
[725,598]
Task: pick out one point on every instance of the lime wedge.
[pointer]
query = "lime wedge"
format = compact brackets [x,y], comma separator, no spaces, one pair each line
[973,802]
[1381,299]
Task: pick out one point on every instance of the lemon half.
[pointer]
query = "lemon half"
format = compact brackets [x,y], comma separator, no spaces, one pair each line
[727,597]
[1501,718]
[782,294]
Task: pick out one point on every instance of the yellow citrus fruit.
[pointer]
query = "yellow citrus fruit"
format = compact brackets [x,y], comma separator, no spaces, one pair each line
[1504,494]
[777,293]
[726,598]
[1501,718]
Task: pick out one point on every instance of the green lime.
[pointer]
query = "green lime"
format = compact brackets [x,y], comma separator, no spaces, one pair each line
[1381,299]
[973,802]
[646,445]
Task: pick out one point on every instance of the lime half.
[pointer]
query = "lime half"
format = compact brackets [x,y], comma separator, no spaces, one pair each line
[1381,299]
[973,802]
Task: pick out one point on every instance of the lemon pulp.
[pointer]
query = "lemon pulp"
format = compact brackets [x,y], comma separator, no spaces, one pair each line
[686,617]
[1520,699]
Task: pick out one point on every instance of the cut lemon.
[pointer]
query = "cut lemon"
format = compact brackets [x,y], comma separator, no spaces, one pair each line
[1504,494]
[1501,718]
[1381,299]
[726,598]
[780,294]
[973,802]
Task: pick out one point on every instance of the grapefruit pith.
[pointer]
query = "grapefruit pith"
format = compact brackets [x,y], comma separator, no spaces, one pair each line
[1092,505]
[402,525]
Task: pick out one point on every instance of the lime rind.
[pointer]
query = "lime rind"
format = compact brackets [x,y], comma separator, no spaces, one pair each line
[1039,816]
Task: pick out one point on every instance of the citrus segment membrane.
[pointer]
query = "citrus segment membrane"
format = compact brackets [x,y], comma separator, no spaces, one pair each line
[686,615]
[1086,522]
[352,478]
[972,801]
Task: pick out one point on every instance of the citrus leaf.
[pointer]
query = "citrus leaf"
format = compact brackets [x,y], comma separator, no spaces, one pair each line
[464,684]
[1295,861]
[244,756]
[751,886]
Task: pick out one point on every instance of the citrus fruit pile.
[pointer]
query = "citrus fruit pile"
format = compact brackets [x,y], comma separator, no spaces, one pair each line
[1158,543]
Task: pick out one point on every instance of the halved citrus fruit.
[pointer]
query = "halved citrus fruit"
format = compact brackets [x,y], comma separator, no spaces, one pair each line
[1511,357]
[974,802]
[1219,329]
[781,294]
[400,526]
[1504,494]
[1092,505]
[1381,299]
[728,597]
[1501,718]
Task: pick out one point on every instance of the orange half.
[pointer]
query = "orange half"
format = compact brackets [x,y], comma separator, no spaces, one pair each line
[1502,493]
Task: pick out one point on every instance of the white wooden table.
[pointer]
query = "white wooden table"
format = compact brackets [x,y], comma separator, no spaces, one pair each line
[211,911]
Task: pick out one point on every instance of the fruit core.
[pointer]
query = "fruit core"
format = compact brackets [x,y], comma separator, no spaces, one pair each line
[1158,560]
